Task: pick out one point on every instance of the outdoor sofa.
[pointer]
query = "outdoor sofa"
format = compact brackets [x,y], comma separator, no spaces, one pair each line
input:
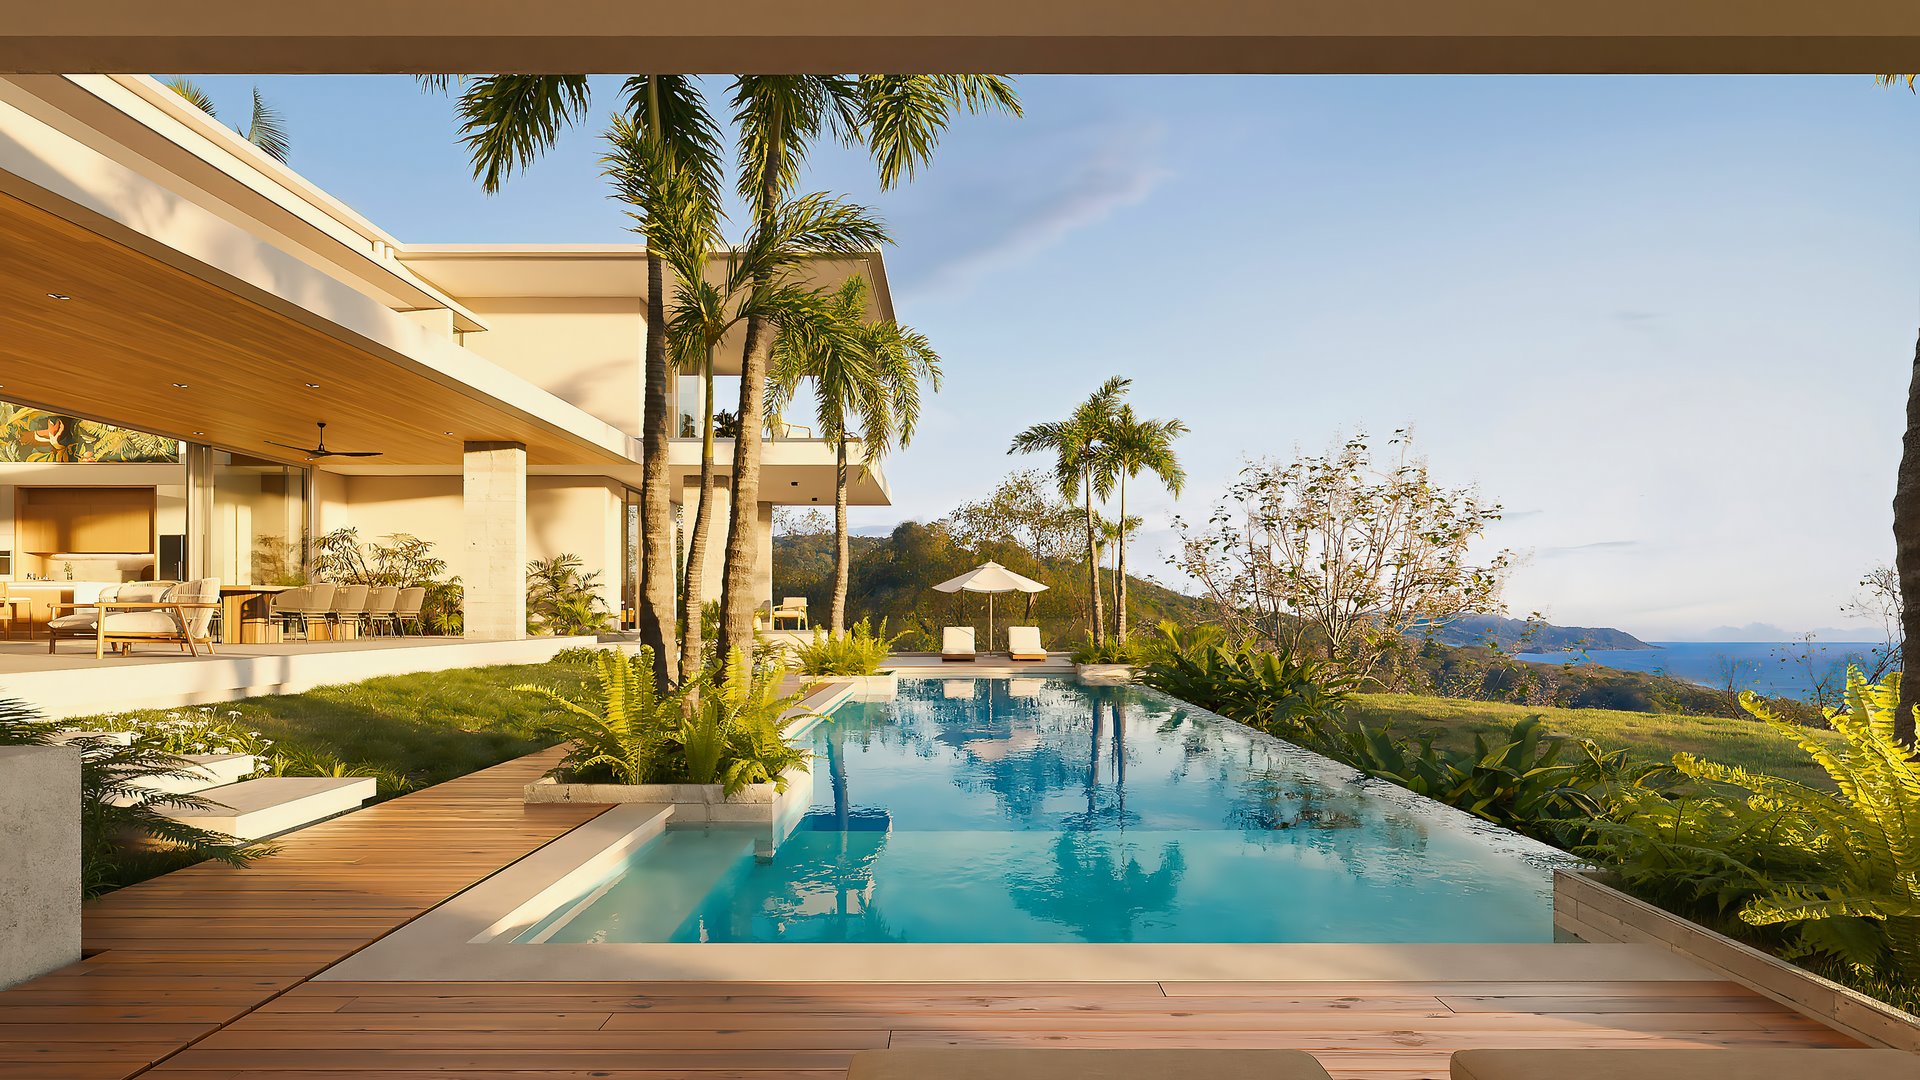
[142,611]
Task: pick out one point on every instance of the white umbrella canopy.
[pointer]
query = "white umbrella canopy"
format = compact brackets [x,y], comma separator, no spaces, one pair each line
[990,579]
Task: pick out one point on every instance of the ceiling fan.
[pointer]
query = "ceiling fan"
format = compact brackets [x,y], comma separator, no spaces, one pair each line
[319,450]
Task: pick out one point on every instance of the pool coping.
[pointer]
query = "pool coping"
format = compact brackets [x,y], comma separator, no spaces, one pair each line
[470,936]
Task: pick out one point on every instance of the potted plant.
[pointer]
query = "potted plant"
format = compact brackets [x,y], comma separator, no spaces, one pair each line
[854,658]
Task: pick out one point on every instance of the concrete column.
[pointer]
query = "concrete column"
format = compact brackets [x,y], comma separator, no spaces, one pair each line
[763,554]
[40,861]
[494,568]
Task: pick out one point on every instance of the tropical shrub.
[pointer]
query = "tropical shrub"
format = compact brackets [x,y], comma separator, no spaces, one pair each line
[297,762]
[122,824]
[734,736]
[723,729]
[202,729]
[1837,873]
[1283,694]
[1110,651]
[564,599]
[859,651]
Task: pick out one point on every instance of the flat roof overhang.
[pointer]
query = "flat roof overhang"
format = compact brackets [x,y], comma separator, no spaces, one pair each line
[144,344]
[1079,36]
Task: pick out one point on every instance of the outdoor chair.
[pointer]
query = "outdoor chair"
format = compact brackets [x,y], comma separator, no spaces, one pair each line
[381,603]
[147,611]
[349,606]
[407,609]
[793,608]
[1023,642]
[956,643]
[1074,1063]
[317,608]
[283,609]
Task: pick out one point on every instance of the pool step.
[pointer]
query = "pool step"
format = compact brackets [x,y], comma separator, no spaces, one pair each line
[256,809]
[205,771]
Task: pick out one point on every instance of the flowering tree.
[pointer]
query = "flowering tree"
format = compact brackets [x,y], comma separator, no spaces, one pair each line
[1342,556]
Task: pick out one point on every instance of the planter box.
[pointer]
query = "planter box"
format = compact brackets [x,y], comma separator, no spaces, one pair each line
[693,804]
[1104,674]
[883,687]
[1586,906]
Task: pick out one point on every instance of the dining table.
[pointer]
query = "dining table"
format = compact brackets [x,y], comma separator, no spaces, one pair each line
[245,612]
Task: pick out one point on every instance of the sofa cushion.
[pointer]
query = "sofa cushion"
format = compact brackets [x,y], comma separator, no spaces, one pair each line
[142,622]
[79,620]
[144,592]
[1058,1063]
[1772,1064]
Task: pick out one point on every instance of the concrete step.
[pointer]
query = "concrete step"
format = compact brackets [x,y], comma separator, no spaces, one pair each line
[256,809]
[208,771]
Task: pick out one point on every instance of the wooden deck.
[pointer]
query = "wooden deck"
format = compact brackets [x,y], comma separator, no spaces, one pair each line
[203,975]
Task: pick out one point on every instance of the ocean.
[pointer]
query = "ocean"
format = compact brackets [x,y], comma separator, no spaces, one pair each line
[1772,668]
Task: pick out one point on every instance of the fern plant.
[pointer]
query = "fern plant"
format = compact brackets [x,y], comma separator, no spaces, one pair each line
[859,651]
[622,733]
[1861,902]
[734,737]
[123,823]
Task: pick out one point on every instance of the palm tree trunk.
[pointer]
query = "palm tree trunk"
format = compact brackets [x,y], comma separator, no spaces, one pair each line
[840,553]
[737,600]
[655,614]
[1099,615]
[1906,552]
[692,592]
[1120,567]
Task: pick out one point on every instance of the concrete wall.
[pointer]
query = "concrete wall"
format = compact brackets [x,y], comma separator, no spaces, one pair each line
[40,861]
[586,350]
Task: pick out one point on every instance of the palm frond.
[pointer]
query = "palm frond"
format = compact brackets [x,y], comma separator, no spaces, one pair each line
[508,121]
[267,130]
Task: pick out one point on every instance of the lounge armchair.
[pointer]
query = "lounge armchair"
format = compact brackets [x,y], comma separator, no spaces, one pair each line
[956,643]
[146,611]
[793,609]
[1771,1063]
[1063,1063]
[1023,642]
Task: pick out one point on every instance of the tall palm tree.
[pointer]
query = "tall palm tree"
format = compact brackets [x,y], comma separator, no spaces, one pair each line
[1135,445]
[1906,525]
[508,121]
[1082,468]
[264,129]
[755,283]
[898,119]
[864,374]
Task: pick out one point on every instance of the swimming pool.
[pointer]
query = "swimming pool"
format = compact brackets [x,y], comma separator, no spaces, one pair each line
[1041,810]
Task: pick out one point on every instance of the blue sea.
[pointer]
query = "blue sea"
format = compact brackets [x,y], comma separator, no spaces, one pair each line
[1772,668]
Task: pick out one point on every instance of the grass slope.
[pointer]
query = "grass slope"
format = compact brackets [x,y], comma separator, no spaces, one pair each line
[431,726]
[1651,736]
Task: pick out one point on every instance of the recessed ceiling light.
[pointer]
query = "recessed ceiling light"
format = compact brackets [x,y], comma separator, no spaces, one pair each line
[313,386]
[199,433]
[446,433]
[793,483]
[179,386]
[58,296]
[816,498]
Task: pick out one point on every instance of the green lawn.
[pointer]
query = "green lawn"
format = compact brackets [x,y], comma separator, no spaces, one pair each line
[431,727]
[1653,736]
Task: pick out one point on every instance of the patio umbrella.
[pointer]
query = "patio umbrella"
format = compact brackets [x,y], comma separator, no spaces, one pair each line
[990,579]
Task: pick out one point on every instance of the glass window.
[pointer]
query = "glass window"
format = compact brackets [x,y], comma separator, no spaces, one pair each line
[259,527]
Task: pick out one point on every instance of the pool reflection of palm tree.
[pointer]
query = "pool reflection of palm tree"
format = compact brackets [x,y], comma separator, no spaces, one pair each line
[1098,893]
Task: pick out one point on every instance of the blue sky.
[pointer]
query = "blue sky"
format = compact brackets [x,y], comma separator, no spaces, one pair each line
[1665,322]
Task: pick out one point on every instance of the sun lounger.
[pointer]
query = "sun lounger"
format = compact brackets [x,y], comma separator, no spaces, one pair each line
[1772,1063]
[956,643]
[1059,1063]
[1024,643]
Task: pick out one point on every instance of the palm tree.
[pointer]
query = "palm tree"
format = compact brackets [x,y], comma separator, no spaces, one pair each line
[898,119]
[264,128]
[1906,523]
[1111,534]
[863,372]
[1082,468]
[508,121]
[1135,445]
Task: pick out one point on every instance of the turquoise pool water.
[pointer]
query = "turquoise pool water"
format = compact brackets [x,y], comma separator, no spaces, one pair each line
[1040,810]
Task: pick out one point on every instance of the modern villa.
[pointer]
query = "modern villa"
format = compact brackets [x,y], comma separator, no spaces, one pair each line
[525,859]
[164,275]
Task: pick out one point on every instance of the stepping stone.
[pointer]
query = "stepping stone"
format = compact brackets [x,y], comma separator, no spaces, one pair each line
[256,809]
[208,771]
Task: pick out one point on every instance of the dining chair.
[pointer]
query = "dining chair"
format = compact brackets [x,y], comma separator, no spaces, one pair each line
[318,608]
[407,609]
[381,602]
[349,607]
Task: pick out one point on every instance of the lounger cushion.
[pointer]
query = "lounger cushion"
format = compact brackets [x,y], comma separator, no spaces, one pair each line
[1024,641]
[1770,1064]
[956,641]
[1054,1063]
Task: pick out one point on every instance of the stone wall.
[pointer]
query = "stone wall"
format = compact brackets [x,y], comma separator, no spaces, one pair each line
[39,860]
